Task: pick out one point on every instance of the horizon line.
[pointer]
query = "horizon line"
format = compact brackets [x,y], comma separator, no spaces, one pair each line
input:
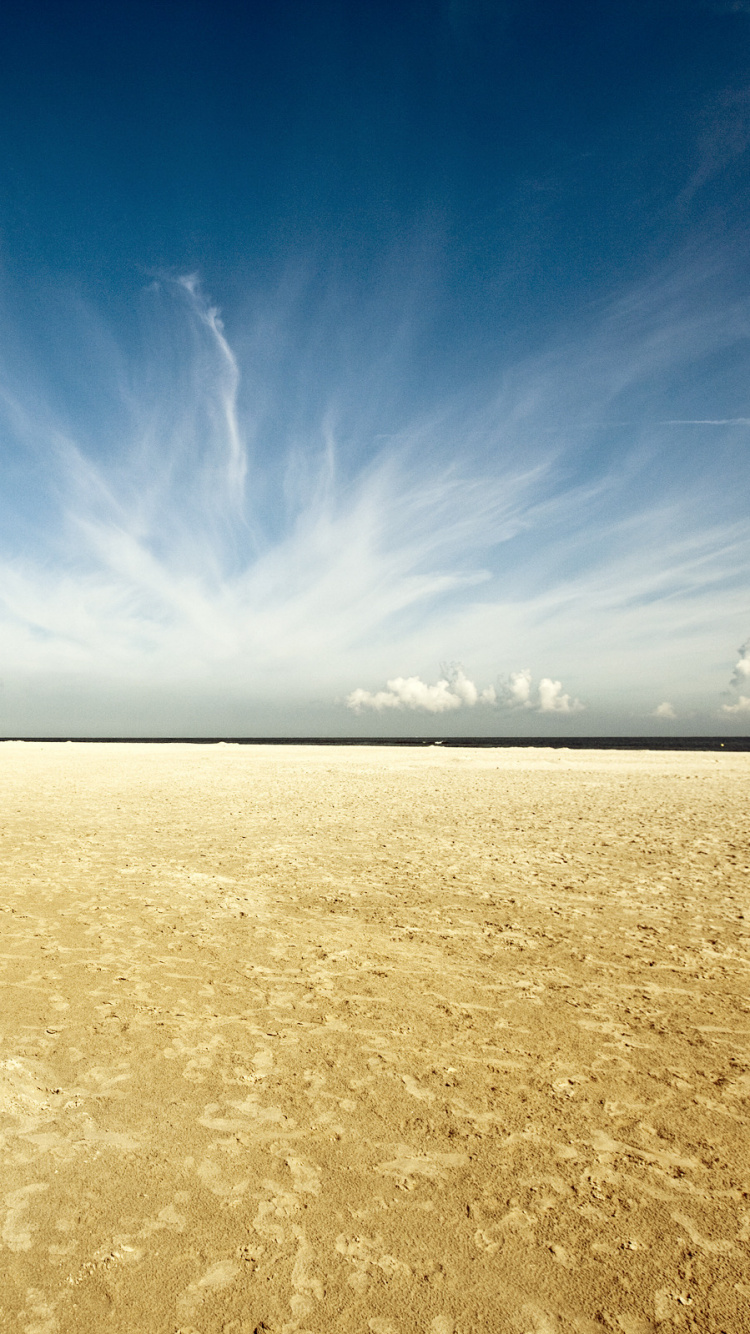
[635,741]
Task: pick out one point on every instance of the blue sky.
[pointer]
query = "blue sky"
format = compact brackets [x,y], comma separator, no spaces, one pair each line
[375,368]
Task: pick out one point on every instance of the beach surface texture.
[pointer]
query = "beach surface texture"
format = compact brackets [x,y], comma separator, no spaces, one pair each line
[400,1041]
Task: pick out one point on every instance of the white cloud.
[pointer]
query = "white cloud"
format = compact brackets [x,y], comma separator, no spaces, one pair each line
[741,673]
[451,692]
[217,545]
[455,691]
[516,690]
[740,677]
[726,130]
[665,710]
[742,705]
[552,700]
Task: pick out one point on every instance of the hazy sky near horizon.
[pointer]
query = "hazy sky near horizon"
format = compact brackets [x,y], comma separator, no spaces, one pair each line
[375,368]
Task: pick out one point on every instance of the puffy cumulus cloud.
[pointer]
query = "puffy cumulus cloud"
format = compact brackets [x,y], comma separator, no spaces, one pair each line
[552,700]
[516,690]
[665,710]
[740,677]
[742,705]
[454,691]
[741,673]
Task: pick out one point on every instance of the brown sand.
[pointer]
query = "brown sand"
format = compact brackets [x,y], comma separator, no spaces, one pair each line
[373,1040]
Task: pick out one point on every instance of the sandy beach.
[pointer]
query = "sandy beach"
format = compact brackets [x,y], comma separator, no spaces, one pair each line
[306,1039]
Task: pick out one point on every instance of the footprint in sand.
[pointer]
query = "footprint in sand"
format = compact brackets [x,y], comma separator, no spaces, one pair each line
[263,1063]
[416,1090]
[169,1217]
[516,1223]
[407,1165]
[39,1316]
[307,1287]
[718,1247]
[23,1098]
[535,1320]
[274,1223]
[305,1176]
[633,1324]
[201,1060]
[17,1233]
[442,1324]
[219,1275]
[366,1255]
[209,1172]
[562,1257]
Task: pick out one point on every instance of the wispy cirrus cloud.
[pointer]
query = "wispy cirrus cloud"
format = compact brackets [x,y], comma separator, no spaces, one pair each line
[219,537]
[725,133]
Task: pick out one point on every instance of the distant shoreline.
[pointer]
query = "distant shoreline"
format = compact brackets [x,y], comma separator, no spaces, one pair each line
[735,743]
